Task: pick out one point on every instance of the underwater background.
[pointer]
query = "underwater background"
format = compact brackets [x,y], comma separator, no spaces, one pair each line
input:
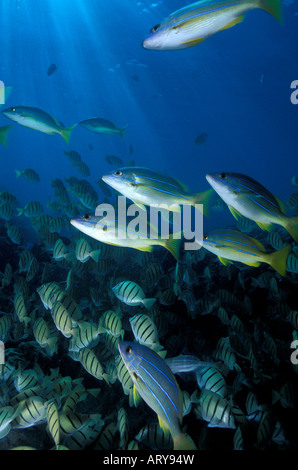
[235,89]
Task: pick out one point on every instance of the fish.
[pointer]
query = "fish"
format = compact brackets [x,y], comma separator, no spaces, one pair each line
[132,294]
[146,187]
[113,160]
[246,197]
[99,229]
[30,411]
[61,251]
[123,426]
[84,251]
[102,126]
[91,364]
[62,319]
[153,436]
[4,131]
[210,378]
[157,385]
[39,120]
[196,22]
[32,209]
[216,410]
[52,69]
[110,323]
[7,415]
[73,156]
[201,138]
[43,336]
[231,245]
[85,335]
[20,308]
[53,421]
[29,174]
[145,331]
[13,233]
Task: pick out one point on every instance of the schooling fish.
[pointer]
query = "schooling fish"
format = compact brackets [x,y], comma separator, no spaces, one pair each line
[39,120]
[146,187]
[156,384]
[246,197]
[231,245]
[4,130]
[102,126]
[200,20]
[132,294]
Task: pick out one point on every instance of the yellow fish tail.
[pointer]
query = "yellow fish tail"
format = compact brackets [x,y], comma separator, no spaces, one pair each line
[274,8]
[66,133]
[278,259]
[183,442]
[122,130]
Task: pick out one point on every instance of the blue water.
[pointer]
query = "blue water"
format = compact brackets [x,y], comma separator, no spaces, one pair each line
[235,87]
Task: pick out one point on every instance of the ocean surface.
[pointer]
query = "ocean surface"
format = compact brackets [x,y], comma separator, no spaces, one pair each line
[223,105]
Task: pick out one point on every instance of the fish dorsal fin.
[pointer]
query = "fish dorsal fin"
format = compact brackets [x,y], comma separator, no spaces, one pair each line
[281,205]
[235,213]
[163,426]
[224,261]
[233,23]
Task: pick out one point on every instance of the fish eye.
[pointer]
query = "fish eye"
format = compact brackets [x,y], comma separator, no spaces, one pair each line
[118,173]
[223,176]
[86,216]
[205,236]
[155,28]
[128,350]
[12,109]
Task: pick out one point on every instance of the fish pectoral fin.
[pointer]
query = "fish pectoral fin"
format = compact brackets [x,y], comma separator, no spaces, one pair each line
[224,261]
[193,42]
[264,226]
[136,396]
[235,213]
[145,248]
[140,205]
[163,426]
[233,22]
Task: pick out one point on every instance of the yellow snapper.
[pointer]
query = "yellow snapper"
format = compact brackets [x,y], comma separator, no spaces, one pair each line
[231,245]
[37,119]
[247,197]
[145,187]
[156,384]
[98,228]
[194,23]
